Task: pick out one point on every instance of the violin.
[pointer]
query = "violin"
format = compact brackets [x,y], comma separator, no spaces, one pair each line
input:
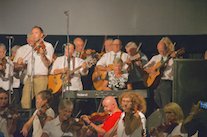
[40,44]
[3,62]
[42,111]
[8,112]
[101,117]
[165,127]
[71,124]
[87,52]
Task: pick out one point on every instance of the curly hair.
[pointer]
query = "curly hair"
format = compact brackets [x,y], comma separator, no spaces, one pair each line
[134,98]
[142,105]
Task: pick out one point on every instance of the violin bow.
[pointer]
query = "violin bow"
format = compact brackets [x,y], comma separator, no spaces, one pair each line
[56,45]
[83,47]
[140,44]
[99,107]
[36,45]
[71,123]
[105,37]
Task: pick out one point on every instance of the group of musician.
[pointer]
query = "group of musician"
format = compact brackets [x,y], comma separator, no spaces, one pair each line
[124,71]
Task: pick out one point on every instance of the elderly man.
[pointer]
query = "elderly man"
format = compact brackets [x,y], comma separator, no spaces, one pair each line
[38,67]
[110,105]
[163,91]
[107,59]
[136,65]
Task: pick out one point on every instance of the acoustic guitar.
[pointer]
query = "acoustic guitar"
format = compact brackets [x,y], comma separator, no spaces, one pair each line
[99,76]
[151,80]
[55,81]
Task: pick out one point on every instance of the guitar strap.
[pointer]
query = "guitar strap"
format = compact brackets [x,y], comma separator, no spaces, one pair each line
[121,54]
[73,63]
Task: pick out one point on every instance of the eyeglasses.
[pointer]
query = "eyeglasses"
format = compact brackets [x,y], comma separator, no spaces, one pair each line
[126,101]
[168,112]
[116,44]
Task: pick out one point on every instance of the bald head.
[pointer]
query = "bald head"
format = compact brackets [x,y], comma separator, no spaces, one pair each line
[162,48]
[109,104]
[79,44]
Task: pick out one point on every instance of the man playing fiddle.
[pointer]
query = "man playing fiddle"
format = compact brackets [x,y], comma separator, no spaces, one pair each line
[136,65]
[7,121]
[110,105]
[41,62]
[6,68]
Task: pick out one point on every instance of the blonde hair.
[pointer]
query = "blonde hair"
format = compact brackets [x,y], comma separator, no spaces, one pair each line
[65,103]
[118,60]
[168,43]
[176,109]
[15,48]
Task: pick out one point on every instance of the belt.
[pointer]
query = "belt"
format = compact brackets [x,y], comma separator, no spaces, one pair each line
[37,76]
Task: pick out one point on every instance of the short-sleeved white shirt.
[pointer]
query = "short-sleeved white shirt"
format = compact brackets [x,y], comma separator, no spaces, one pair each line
[39,67]
[176,131]
[76,83]
[168,72]
[37,128]
[53,129]
[108,58]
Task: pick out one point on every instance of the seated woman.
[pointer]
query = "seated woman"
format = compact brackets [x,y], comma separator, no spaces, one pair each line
[7,122]
[41,116]
[174,116]
[60,126]
[117,79]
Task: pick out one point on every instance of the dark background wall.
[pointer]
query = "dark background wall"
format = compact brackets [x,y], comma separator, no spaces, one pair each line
[195,45]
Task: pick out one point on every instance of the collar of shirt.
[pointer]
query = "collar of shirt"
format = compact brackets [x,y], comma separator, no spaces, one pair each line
[117,54]
[57,121]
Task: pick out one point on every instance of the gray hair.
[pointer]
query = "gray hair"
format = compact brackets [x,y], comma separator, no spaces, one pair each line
[2,46]
[29,34]
[131,44]
[65,104]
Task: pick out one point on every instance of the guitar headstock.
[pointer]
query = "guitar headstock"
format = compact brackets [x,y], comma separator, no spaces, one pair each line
[178,52]
[91,62]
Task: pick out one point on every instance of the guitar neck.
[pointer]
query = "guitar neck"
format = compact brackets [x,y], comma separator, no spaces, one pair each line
[163,63]
[72,71]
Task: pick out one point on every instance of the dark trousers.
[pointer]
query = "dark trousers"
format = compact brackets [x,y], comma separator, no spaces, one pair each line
[163,93]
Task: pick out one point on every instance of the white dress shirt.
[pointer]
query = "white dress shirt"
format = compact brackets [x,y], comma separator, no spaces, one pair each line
[20,54]
[39,67]
[76,83]
[168,72]
[108,58]
[4,80]
[37,128]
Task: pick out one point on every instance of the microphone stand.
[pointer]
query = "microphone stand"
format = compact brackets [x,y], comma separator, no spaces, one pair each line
[68,58]
[32,71]
[9,76]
